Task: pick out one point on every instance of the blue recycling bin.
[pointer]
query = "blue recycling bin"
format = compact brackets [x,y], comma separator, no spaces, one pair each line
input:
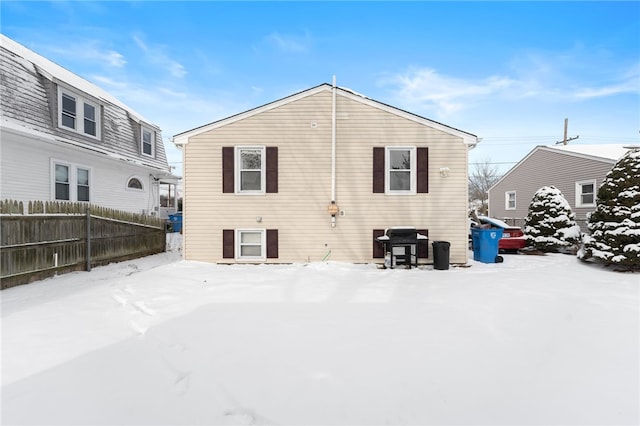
[485,244]
[176,222]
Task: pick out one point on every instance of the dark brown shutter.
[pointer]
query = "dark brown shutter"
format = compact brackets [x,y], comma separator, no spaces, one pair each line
[272,243]
[227,169]
[423,170]
[378,170]
[423,245]
[272,169]
[378,248]
[228,243]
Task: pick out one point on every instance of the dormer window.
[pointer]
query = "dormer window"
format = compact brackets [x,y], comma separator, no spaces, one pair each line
[148,141]
[78,114]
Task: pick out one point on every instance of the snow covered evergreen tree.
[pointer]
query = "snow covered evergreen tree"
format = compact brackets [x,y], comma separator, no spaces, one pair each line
[615,224]
[550,224]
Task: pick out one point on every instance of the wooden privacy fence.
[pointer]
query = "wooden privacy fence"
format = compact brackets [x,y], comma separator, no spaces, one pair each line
[52,238]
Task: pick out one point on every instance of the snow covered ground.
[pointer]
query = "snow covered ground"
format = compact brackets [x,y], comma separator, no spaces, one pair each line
[536,340]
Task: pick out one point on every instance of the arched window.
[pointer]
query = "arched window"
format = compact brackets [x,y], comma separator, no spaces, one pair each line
[134,183]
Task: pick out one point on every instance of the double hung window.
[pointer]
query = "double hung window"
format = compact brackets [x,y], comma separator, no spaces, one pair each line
[400,170]
[510,200]
[78,114]
[251,244]
[82,182]
[62,184]
[250,168]
[147,139]
[71,182]
[586,193]
[400,165]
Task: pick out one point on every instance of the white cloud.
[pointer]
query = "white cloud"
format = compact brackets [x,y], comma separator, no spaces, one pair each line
[156,55]
[629,83]
[102,80]
[444,95]
[289,43]
[90,51]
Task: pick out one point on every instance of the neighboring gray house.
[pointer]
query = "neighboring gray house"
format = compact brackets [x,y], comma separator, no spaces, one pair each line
[576,170]
[63,138]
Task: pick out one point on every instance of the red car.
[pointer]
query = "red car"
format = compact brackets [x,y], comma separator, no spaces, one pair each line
[512,236]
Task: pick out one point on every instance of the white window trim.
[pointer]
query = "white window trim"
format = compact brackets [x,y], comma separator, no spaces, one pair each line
[134,189]
[263,245]
[579,185]
[73,180]
[506,200]
[80,101]
[412,170]
[144,128]
[238,174]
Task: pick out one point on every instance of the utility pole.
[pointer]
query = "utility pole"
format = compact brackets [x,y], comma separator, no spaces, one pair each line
[566,140]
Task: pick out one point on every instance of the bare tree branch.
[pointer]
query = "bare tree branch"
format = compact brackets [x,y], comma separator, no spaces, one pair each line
[483,176]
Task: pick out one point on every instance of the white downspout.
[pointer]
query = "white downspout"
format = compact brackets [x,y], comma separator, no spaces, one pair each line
[333,207]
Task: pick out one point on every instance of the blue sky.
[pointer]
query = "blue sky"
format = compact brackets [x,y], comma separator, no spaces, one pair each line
[508,72]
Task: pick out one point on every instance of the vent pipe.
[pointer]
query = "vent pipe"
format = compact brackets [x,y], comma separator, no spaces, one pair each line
[333,142]
[333,207]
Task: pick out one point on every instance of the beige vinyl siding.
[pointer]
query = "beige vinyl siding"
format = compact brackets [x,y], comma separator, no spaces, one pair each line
[545,168]
[302,132]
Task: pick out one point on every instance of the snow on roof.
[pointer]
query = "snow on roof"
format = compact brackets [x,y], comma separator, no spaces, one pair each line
[45,66]
[346,89]
[609,151]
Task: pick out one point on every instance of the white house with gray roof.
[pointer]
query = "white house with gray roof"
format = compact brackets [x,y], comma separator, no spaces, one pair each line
[576,170]
[63,138]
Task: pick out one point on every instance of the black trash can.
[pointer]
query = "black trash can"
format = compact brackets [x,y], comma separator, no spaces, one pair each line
[441,254]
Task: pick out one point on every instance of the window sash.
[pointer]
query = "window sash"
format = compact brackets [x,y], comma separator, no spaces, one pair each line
[82,177]
[586,193]
[250,170]
[90,124]
[71,182]
[510,200]
[78,114]
[62,182]
[251,244]
[400,166]
[147,142]
[68,117]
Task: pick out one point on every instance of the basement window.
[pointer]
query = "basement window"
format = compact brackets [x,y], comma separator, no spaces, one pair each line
[251,244]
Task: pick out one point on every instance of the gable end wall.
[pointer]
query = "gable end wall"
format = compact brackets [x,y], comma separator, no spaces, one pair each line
[545,168]
[301,130]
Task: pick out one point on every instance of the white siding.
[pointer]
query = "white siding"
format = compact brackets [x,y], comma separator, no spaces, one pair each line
[25,174]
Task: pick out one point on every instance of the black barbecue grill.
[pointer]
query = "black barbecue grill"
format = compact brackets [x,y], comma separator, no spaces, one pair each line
[401,246]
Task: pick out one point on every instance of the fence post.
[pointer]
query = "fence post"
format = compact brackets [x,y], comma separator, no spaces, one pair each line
[88,239]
